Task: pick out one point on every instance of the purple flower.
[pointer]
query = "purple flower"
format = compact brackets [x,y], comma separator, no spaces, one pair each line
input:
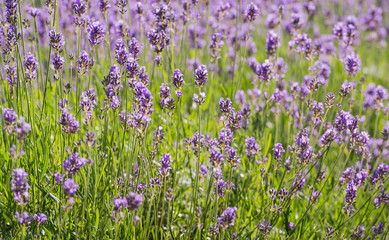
[57,61]
[203,171]
[70,188]
[68,122]
[164,93]
[298,183]
[58,177]
[252,148]
[234,120]
[338,29]
[350,195]
[23,219]
[134,48]
[158,136]
[264,227]
[216,45]
[57,40]
[227,219]
[291,225]
[352,64]
[278,151]
[40,218]
[220,185]
[96,33]
[132,70]
[143,76]
[379,228]
[216,158]
[104,6]
[134,200]
[164,169]
[252,12]
[344,121]
[88,103]
[178,78]
[22,129]
[12,74]
[30,63]
[345,89]
[73,164]
[78,7]
[122,56]
[379,173]
[264,71]
[271,43]
[381,198]
[357,233]
[178,94]
[20,186]
[83,63]
[158,39]
[201,74]
[11,11]
[233,158]
[199,100]
[225,105]
[346,176]
[9,117]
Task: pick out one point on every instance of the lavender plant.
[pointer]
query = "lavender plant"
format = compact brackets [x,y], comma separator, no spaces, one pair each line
[194,119]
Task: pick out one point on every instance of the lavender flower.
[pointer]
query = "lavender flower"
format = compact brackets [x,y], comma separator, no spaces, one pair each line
[134,200]
[22,129]
[57,41]
[134,48]
[20,186]
[234,120]
[70,188]
[178,78]
[58,62]
[199,100]
[30,63]
[11,11]
[358,233]
[122,56]
[164,169]
[225,105]
[352,64]
[252,148]
[83,63]
[216,158]
[40,218]
[252,12]
[58,177]
[68,122]
[78,7]
[264,227]
[23,219]
[379,173]
[104,6]
[278,151]
[203,171]
[96,33]
[350,195]
[73,164]
[201,74]
[88,103]
[271,43]
[9,117]
[227,219]
[381,198]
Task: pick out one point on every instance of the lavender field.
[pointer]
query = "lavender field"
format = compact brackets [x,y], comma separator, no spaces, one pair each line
[200,119]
